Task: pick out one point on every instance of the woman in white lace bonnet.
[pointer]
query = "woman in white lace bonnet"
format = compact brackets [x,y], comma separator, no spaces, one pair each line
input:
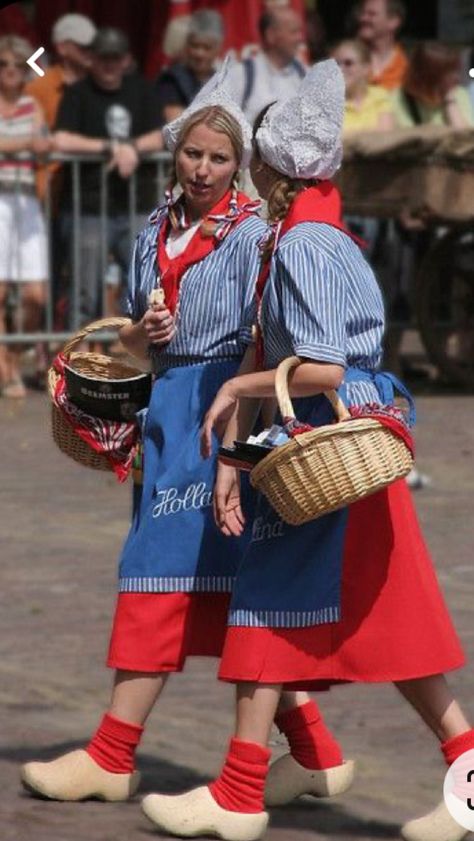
[351,596]
[190,291]
[176,569]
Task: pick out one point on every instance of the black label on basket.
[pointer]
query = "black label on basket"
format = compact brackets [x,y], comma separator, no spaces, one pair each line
[106,394]
[115,400]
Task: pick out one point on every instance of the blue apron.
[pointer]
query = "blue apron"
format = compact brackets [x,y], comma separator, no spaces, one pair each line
[290,576]
[173,544]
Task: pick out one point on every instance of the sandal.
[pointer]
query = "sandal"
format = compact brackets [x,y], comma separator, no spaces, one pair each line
[14,390]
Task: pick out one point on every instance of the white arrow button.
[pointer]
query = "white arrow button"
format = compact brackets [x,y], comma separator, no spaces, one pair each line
[32,61]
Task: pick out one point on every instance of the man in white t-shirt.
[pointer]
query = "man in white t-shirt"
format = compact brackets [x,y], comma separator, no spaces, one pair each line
[274,73]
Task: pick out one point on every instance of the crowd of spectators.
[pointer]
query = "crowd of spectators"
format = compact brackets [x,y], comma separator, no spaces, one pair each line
[179,83]
[93,101]
[390,86]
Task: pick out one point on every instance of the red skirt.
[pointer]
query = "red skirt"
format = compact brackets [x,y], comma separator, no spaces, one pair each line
[395,624]
[155,632]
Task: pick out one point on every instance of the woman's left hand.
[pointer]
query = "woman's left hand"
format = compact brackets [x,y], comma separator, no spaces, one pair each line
[226,501]
[217,417]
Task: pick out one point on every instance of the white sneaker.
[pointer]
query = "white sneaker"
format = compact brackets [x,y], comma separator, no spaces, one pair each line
[197,813]
[288,779]
[416,480]
[437,825]
[76,776]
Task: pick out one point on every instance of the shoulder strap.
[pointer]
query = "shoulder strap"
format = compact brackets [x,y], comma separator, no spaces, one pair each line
[183,81]
[298,67]
[249,76]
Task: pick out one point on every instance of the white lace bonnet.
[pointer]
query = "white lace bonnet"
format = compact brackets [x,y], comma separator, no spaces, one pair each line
[302,136]
[217,91]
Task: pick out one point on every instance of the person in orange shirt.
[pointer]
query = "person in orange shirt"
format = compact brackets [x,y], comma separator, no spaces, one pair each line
[72,36]
[378,23]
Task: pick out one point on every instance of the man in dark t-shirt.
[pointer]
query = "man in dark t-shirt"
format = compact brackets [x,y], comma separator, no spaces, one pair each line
[114,112]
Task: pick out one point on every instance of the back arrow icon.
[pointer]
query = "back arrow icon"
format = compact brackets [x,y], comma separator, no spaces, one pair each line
[32,61]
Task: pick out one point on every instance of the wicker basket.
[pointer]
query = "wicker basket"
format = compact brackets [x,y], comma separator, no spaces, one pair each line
[99,367]
[331,466]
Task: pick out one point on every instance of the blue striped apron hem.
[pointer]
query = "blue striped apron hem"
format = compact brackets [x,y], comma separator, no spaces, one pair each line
[177,584]
[283,618]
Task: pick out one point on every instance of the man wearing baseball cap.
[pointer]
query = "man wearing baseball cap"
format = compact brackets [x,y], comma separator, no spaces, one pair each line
[72,36]
[112,112]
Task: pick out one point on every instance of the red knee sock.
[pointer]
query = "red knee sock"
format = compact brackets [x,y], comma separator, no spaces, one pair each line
[453,748]
[114,743]
[241,783]
[311,743]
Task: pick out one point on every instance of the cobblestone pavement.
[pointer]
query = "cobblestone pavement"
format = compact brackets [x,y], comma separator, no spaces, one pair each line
[61,527]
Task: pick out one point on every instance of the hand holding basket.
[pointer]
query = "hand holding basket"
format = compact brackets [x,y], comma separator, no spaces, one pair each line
[331,466]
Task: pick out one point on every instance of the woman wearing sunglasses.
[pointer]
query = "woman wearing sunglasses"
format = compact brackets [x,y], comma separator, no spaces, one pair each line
[23,244]
[368,107]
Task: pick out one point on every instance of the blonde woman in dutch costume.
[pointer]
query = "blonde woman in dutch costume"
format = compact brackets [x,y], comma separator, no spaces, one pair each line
[351,596]
[177,569]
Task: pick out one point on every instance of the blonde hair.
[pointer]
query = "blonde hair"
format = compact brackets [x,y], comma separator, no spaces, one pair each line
[175,36]
[283,190]
[282,194]
[359,47]
[217,118]
[280,198]
[16,45]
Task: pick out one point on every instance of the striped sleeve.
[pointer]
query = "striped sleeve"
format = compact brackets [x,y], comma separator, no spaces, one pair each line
[246,332]
[312,302]
[249,261]
[132,303]
[141,273]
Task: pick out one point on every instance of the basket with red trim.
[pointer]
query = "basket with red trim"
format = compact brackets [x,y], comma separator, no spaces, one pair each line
[330,466]
[94,401]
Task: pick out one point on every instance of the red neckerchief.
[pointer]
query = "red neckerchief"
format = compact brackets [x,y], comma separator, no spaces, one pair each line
[171,270]
[320,203]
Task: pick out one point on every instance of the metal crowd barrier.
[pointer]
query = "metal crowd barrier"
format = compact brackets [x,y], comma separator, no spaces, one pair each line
[161,163]
[445,268]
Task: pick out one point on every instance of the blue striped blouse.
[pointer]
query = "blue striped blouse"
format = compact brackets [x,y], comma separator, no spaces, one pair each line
[216,301]
[322,302]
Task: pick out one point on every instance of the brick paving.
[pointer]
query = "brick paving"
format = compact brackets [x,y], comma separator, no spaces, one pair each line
[61,528]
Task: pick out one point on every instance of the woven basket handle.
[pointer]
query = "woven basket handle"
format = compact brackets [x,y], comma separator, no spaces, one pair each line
[102,324]
[283,397]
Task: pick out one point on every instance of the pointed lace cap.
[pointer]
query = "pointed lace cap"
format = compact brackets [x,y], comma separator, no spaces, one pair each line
[301,136]
[217,91]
